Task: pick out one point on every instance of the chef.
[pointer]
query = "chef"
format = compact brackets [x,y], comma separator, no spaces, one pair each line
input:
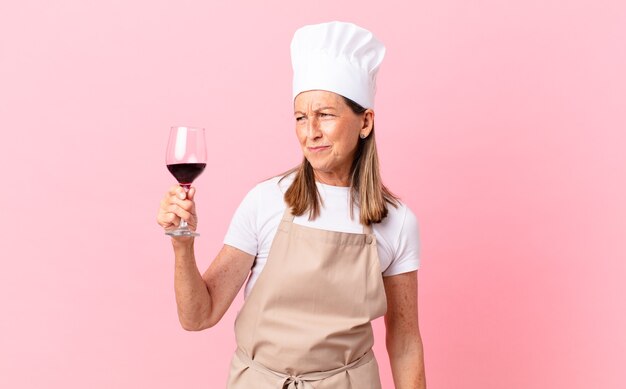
[325,247]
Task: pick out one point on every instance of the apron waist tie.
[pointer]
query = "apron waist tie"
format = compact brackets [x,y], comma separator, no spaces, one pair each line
[302,381]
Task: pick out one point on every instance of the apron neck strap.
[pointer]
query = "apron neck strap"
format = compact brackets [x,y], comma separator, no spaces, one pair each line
[288,217]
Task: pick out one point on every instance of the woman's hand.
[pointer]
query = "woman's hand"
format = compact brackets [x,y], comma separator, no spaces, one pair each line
[176,205]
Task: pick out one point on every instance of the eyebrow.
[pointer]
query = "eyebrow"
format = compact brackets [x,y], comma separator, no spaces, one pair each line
[317,110]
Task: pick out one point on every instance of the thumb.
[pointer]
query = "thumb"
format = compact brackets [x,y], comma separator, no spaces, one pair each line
[191,193]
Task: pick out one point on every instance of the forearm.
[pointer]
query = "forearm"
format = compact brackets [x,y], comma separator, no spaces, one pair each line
[407,363]
[192,296]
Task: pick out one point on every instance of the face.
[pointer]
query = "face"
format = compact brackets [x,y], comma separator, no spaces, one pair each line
[328,130]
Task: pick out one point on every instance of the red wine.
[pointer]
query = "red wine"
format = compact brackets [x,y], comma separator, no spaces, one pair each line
[185,173]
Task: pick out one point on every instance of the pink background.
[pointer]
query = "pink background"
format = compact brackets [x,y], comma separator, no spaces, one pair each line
[500,123]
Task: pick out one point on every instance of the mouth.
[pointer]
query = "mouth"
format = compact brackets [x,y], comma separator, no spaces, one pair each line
[317,149]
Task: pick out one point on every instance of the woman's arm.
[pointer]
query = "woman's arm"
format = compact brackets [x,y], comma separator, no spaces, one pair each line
[404,342]
[201,300]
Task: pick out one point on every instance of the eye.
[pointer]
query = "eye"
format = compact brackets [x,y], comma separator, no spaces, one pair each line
[324,114]
[299,118]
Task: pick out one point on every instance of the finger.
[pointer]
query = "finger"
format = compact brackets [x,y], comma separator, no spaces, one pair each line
[173,189]
[180,212]
[166,200]
[187,205]
[175,220]
[170,198]
[177,191]
[165,206]
[191,193]
[171,219]
[166,219]
[162,212]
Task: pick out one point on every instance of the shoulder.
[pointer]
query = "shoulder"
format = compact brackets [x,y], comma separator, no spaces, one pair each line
[257,215]
[397,214]
[400,222]
[402,241]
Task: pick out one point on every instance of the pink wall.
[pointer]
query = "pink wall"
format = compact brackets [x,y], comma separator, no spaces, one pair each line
[500,123]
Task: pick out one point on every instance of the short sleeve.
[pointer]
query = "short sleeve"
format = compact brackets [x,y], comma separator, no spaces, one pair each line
[407,253]
[242,232]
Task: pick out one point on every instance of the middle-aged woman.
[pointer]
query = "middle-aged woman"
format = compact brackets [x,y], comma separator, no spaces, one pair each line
[326,246]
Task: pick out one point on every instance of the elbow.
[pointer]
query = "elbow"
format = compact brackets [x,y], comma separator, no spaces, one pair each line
[402,342]
[197,326]
[191,327]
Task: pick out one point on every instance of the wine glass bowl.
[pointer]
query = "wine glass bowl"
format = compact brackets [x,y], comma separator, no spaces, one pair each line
[186,159]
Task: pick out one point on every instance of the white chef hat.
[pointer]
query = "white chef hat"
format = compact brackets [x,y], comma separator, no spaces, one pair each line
[337,57]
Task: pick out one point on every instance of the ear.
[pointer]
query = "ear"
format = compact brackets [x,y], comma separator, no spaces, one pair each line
[368,123]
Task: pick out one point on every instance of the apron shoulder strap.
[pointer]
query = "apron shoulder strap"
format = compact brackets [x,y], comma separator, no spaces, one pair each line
[287,215]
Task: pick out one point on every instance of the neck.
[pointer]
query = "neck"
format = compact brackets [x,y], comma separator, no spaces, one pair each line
[333,178]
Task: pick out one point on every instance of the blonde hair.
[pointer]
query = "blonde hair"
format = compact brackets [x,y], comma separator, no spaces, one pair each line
[366,186]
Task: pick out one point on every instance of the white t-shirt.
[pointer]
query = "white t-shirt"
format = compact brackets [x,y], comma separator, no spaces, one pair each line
[257,218]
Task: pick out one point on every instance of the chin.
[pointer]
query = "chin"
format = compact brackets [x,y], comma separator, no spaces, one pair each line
[317,164]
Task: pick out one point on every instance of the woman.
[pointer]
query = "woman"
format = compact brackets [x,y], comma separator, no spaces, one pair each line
[326,246]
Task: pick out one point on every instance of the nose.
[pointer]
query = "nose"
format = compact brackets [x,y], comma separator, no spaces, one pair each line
[313,128]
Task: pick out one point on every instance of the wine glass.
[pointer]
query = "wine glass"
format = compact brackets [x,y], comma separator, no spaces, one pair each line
[185,159]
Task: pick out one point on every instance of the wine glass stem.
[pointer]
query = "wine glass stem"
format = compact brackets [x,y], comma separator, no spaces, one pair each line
[183,223]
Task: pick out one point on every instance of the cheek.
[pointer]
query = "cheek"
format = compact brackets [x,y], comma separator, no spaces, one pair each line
[333,132]
[300,134]
[344,140]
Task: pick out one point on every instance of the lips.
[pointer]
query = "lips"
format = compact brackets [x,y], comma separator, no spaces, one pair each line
[316,149]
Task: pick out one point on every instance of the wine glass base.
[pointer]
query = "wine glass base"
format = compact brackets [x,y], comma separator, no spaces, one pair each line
[182,233]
